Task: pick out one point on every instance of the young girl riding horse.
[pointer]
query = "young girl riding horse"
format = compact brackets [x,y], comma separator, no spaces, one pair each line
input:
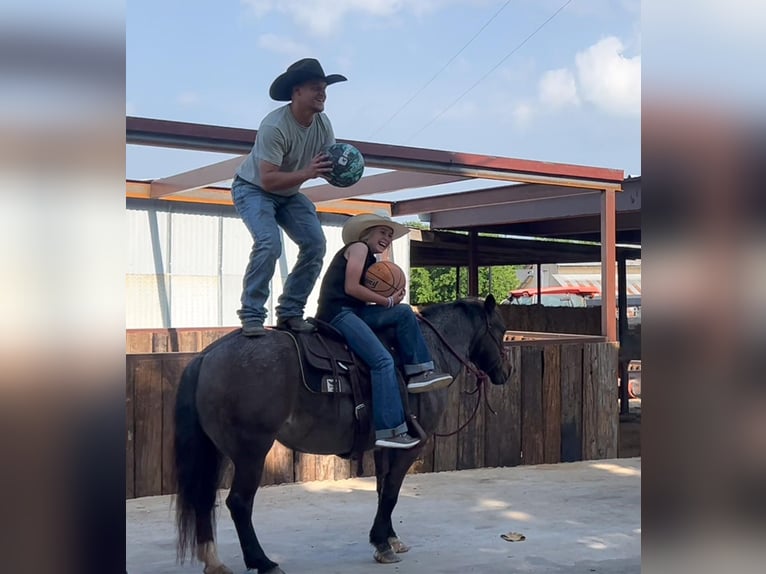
[356,311]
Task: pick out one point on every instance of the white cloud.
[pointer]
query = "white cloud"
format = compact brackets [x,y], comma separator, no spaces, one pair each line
[522,114]
[188,99]
[260,7]
[602,77]
[608,79]
[558,88]
[282,45]
[322,17]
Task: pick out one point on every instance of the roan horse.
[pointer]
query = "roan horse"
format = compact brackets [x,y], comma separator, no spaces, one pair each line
[240,394]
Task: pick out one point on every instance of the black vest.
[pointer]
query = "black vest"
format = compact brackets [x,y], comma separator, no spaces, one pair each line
[332,294]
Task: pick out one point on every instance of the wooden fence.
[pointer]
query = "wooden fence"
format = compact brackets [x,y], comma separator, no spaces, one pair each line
[559,405]
[186,340]
[534,318]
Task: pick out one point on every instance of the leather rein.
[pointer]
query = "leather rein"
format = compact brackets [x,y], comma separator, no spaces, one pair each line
[481,376]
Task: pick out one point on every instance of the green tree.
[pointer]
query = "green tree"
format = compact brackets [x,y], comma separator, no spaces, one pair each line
[437,284]
[496,280]
[432,285]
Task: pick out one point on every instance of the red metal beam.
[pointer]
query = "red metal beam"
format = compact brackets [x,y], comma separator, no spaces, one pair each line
[492,196]
[608,262]
[370,185]
[146,131]
[521,212]
[379,183]
[196,178]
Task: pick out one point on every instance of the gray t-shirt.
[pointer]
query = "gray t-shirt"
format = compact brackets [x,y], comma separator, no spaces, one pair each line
[282,141]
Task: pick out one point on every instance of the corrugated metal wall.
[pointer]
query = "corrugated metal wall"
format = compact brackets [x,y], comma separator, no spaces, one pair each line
[185,264]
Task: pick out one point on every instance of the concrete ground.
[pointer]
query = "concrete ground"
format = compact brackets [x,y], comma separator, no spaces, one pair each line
[578,518]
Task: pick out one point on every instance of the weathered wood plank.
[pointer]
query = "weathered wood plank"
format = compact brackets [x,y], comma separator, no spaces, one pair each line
[445,448]
[571,402]
[208,336]
[188,341]
[342,468]
[172,367]
[129,431]
[281,460]
[325,467]
[278,467]
[161,343]
[470,450]
[513,455]
[147,409]
[170,340]
[305,467]
[138,342]
[502,431]
[551,404]
[532,405]
[267,475]
[608,401]
[590,389]
[600,396]
[497,435]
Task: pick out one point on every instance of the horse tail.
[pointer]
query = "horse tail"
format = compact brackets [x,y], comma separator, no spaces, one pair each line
[197,467]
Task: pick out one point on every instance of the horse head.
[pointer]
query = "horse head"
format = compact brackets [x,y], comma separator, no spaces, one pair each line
[486,348]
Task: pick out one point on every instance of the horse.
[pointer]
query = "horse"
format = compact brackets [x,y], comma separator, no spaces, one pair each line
[241,394]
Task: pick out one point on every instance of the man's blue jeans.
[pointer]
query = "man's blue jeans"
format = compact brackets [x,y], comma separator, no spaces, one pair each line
[357,327]
[263,214]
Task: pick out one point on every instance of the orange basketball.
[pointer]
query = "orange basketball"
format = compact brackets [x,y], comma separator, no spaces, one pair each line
[385,278]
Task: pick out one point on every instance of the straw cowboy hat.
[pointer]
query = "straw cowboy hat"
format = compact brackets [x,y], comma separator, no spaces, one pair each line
[301,71]
[358,224]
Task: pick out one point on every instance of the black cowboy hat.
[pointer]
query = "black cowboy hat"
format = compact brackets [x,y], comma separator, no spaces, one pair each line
[301,71]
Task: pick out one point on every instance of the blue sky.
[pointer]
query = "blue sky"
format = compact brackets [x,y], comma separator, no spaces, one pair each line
[570,93]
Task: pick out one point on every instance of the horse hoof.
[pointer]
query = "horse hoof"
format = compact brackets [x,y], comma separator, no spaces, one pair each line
[219,569]
[398,546]
[388,556]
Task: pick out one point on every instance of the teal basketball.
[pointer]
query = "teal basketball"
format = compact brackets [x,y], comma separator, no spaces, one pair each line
[347,164]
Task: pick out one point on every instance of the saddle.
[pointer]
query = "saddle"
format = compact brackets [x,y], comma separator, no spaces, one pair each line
[328,365]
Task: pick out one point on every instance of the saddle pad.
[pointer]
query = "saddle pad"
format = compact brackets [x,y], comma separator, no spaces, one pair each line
[328,364]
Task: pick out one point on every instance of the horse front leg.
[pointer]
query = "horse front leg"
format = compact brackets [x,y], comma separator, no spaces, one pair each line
[391,467]
[248,470]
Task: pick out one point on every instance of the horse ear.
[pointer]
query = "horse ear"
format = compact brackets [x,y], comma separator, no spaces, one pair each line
[489,303]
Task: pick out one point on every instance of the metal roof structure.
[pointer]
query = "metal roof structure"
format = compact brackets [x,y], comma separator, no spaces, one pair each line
[550,211]
[533,197]
[450,249]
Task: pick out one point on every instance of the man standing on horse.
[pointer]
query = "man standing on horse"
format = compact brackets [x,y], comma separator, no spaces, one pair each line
[266,192]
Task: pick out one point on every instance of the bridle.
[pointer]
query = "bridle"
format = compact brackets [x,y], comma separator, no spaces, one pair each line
[481,376]
[478,338]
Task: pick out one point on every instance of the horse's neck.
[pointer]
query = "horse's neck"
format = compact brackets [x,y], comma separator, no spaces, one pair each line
[443,357]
